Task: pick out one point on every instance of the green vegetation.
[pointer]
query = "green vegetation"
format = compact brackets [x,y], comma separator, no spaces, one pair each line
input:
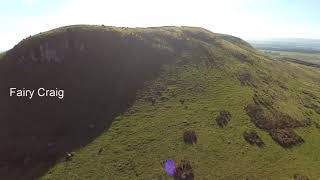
[225,79]
[140,140]
[2,54]
[206,88]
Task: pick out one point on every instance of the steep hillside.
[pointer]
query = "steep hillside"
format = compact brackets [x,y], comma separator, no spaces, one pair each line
[2,54]
[142,96]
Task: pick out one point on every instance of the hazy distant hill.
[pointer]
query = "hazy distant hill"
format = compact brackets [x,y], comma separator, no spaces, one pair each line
[136,97]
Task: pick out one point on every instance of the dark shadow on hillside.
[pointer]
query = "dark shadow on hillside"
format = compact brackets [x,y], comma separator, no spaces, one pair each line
[100,74]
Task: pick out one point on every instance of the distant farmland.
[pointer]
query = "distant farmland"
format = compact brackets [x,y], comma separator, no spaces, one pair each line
[291,45]
[313,58]
[305,51]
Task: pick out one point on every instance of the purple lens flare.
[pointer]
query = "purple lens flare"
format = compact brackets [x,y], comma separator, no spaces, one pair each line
[170,167]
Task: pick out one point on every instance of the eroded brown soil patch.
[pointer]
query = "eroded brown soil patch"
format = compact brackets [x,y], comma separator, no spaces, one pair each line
[280,126]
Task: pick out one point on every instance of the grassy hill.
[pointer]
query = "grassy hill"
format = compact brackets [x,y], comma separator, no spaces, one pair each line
[141,89]
[2,54]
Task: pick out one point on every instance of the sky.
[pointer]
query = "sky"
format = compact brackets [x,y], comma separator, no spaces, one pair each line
[247,19]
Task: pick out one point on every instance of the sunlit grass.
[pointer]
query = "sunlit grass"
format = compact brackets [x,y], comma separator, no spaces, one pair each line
[146,135]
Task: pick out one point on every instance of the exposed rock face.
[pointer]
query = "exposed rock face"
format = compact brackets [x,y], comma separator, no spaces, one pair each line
[47,54]
[100,71]
[50,50]
[44,53]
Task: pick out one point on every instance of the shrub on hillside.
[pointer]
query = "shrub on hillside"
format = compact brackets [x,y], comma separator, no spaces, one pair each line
[223,118]
[253,138]
[246,79]
[300,177]
[190,137]
[184,171]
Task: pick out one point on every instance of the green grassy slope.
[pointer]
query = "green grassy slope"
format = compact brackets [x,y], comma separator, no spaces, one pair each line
[2,54]
[212,73]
